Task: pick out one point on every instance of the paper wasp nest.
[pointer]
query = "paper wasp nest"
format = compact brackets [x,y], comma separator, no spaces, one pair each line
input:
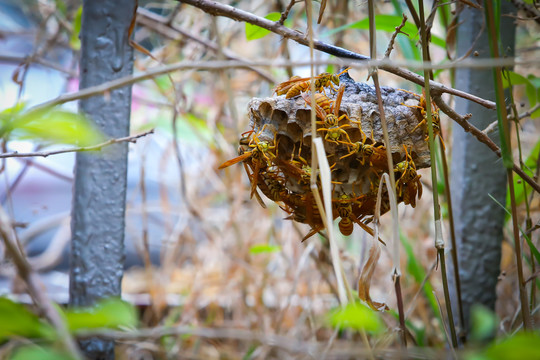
[277,151]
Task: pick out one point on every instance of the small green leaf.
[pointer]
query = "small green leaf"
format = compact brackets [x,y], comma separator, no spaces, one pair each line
[264,248]
[51,126]
[41,353]
[357,317]
[483,323]
[520,346]
[254,32]
[110,313]
[514,79]
[17,320]
[74,41]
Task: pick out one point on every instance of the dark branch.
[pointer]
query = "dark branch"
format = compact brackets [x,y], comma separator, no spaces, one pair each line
[217,9]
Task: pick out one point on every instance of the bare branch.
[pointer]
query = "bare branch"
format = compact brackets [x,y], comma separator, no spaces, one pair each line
[39,297]
[531,12]
[217,9]
[482,137]
[278,341]
[394,35]
[491,127]
[132,138]
[36,60]
[285,14]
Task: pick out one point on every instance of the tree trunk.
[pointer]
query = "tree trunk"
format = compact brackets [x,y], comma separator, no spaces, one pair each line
[97,249]
[477,173]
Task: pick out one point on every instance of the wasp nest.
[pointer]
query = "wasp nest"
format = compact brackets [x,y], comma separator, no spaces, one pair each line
[277,150]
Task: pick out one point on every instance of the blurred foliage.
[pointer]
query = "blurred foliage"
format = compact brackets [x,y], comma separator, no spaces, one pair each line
[356,316]
[522,345]
[108,313]
[484,323]
[204,122]
[39,352]
[254,32]
[263,248]
[75,40]
[17,321]
[48,126]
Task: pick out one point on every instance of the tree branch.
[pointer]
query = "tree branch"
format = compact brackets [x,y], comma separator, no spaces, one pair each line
[482,137]
[132,138]
[217,9]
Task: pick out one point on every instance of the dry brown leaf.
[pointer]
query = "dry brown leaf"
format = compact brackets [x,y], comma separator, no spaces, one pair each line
[365,278]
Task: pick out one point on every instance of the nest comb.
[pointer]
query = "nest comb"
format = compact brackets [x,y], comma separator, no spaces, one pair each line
[285,123]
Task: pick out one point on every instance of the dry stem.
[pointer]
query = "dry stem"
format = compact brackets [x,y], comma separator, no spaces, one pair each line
[132,138]
[35,287]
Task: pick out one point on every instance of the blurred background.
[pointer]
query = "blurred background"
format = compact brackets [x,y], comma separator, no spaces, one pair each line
[216,256]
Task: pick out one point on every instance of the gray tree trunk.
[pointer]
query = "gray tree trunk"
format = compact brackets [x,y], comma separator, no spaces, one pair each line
[97,248]
[476,171]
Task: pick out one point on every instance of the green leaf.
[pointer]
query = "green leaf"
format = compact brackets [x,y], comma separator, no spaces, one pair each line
[110,313]
[483,323]
[74,40]
[41,353]
[388,23]
[264,248]
[61,7]
[17,320]
[254,32]
[513,78]
[50,126]
[520,346]
[357,317]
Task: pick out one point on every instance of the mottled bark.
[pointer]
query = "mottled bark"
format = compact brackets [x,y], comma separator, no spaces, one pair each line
[97,251]
[477,173]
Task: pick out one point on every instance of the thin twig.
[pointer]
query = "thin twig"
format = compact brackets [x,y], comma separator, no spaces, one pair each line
[35,287]
[161,25]
[483,138]
[529,112]
[507,160]
[285,14]
[282,342]
[36,60]
[392,190]
[491,127]
[394,35]
[132,138]
[531,12]
[453,350]
[439,240]
[453,241]
[413,12]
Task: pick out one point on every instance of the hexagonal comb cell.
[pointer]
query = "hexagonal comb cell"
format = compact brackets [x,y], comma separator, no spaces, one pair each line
[278,150]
